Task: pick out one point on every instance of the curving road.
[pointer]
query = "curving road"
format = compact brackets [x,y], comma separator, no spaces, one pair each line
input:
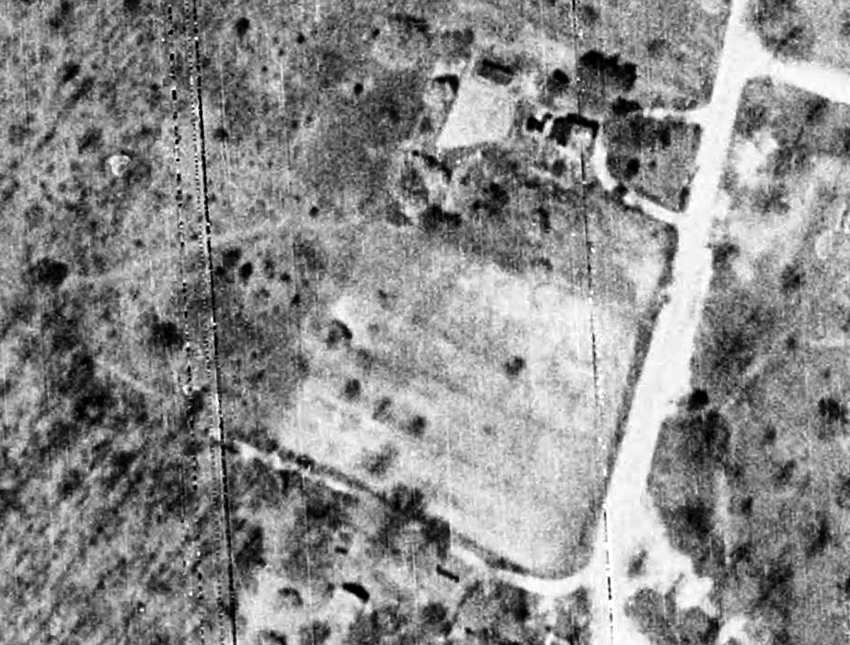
[629,522]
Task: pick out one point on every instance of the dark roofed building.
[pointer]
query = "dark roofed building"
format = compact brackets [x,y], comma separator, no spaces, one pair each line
[357,590]
[495,71]
[557,82]
[560,132]
[533,124]
[562,127]
[451,80]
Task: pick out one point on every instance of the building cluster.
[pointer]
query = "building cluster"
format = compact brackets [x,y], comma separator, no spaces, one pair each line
[485,101]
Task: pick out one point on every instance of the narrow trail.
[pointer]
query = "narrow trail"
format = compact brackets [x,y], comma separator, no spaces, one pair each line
[631,523]
[599,164]
[135,272]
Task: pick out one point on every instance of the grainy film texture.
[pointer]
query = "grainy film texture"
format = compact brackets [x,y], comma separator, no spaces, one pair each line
[425,322]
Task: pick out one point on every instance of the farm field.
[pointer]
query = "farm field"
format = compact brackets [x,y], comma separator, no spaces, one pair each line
[470,364]
[478,382]
[751,475]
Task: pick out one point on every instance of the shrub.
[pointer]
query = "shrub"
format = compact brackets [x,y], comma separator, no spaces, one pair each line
[514,366]
[47,272]
[230,257]
[72,480]
[91,139]
[352,389]
[818,535]
[118,467]
[92,405]
[82,91]
[696,518]
[246,271]
[314,633]
[416,426]
[435,219]
[379,463]
[272,637]
[164,334]
[18,133]
[309,254]
[653,612]
[558,82]
[842,494]
[437,532]
[776,585]
[241,27]
[250,552]
[407,504]
[61,15]
[599,69]
[68,71]
[697,400]
[411,184]
[832,410]
[383,409]
[791,279]
[435,617]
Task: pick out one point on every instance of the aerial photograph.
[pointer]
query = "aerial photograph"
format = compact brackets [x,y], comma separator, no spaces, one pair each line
[425,322]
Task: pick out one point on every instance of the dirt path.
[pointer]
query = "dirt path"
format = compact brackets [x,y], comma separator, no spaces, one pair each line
[830,83]
[599,162]
[629,523]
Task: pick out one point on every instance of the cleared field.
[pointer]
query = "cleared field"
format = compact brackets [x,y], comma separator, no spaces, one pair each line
[482,113]
[482,382]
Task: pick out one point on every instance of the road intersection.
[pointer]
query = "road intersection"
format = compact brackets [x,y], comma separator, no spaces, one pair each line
[628,523]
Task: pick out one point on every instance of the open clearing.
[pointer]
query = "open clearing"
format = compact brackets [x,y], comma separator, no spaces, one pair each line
[482,383]
[482,113]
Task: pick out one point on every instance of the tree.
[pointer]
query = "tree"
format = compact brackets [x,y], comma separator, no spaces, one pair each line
[406,504]
[386,624]
[379,463]
[437,532]
[250,548]
[818,535]
[832,410]
[411,184]
[436,220]
[783,27]
[163,335]
[47,272]
[316,632]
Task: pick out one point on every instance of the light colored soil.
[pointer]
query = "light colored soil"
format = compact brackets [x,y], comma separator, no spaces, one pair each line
[482,113]
[513,462]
